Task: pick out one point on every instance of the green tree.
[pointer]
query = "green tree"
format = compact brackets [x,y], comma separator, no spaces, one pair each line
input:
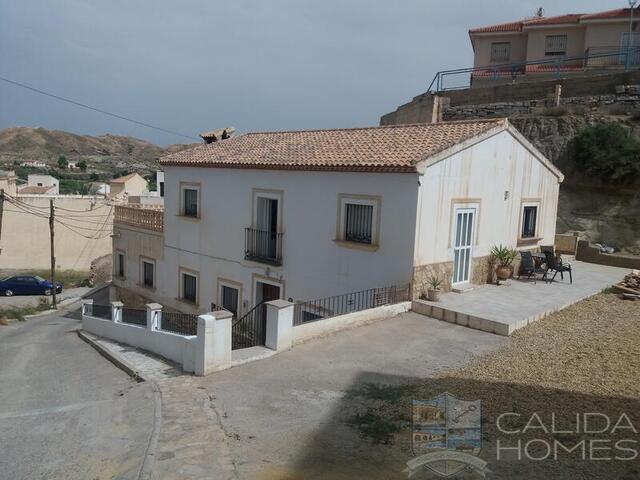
[62,162]
[93,176]
[82,165]
[607,151]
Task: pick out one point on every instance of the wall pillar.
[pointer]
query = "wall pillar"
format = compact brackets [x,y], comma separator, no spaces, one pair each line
[116,311]
[279,325]
[87,306]
[213,347]
[154,316]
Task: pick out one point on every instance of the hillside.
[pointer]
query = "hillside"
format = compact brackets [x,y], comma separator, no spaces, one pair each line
[105,153]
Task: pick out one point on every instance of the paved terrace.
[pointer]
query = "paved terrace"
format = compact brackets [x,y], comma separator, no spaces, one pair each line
[508,307]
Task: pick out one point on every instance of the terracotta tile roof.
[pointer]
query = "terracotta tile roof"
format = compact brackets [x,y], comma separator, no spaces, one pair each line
[557,20]
[34,189]
[501,27]
[618,13]
[395,148]
[124,178]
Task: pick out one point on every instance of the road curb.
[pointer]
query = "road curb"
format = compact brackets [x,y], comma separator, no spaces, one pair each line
[150,453]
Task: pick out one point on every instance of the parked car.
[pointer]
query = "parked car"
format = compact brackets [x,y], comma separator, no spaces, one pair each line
[27,285]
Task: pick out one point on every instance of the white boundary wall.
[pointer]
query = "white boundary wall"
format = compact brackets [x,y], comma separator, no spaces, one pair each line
[322,328]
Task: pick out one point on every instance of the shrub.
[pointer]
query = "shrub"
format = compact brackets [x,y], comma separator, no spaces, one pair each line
[607,151]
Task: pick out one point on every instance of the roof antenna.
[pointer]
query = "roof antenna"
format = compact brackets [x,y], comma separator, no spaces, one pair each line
[540,12]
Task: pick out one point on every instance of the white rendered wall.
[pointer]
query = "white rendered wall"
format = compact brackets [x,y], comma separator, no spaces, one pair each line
[314,265]
[484,171]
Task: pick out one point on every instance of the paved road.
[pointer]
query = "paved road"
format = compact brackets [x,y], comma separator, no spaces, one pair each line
[286,416]
[66,412]
[33,300]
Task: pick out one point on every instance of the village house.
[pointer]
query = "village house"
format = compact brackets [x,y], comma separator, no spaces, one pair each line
[303,215]
[594,42]
[131,184]
[40,185]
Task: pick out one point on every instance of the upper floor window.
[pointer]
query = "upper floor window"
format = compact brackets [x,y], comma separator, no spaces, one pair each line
[120,264]
[555,45]
[190,200]
[500,51]
[358,222]
[529,221]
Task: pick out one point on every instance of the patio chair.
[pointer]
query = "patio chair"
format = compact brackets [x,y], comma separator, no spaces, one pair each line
[528,267]
[547,248]
[558,267]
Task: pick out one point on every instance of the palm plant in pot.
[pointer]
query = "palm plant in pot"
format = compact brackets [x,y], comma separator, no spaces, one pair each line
[433,292]
[503,257]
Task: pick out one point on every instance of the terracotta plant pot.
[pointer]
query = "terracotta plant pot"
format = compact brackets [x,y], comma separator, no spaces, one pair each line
[504,273]
[433,295]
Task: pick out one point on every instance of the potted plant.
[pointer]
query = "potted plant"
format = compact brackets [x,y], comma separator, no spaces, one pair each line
[433,292]
[504,257]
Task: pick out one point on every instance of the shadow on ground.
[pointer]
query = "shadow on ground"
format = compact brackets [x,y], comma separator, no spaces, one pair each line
[368,434]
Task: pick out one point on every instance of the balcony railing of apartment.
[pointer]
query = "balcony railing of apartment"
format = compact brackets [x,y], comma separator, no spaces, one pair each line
[141,216]
[263,246]
[594,58]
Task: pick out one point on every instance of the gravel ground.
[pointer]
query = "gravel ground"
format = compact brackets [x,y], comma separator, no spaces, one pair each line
[585,358]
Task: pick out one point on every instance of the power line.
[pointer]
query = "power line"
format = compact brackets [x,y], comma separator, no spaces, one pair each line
[95,109]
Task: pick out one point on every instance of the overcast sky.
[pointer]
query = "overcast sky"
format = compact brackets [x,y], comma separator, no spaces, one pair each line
[193,65]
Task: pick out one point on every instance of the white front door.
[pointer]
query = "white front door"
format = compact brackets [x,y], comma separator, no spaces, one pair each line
[463,241]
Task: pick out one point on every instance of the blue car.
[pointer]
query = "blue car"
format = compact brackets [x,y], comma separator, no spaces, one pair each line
[27,285]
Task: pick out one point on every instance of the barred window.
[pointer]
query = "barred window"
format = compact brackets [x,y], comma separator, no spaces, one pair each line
[190,202]
[500,51]
[358,223]
[189,287]
[555,45]
[230,299]
[147,274]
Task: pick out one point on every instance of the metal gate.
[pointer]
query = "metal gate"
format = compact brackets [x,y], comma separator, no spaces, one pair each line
[250,330]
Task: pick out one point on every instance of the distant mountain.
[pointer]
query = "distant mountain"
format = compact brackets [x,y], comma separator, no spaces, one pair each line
[102,153]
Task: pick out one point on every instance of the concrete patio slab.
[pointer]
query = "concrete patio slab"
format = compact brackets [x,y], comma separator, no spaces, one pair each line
[504,309]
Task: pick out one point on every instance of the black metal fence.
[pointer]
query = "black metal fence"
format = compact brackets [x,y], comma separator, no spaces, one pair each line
[263,246]
[250,330]
[134,316]
[182,323]
[101,311]
[314,310]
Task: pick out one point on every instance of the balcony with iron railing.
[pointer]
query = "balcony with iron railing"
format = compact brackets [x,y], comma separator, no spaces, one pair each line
[148,217]
[263,246]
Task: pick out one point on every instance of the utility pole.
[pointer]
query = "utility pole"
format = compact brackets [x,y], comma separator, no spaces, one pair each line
[53,257]
[1,211]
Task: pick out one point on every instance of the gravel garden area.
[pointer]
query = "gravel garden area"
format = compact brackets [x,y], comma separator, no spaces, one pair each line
[584,359]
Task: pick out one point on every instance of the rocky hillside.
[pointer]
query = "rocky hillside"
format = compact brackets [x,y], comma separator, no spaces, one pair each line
[602,213]
[102,153]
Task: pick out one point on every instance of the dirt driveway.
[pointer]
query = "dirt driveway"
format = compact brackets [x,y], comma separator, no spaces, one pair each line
[282,414]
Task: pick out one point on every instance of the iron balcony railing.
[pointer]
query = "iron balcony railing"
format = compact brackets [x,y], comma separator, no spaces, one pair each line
[263,246]
[595,58]
[328,307]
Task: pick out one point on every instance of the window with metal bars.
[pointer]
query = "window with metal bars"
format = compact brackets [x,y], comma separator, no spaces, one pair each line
[189,287]
[190,202]
[230,299]
[500,51]
[555,45]
[358,225]
[147,274]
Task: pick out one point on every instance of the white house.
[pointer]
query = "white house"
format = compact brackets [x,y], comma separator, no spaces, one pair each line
[131,184]
[41,184]
[311,214]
